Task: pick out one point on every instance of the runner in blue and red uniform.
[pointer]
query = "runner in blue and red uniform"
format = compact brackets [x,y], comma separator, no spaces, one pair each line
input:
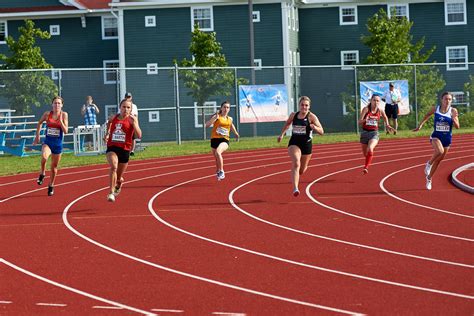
[56,126]
[119,138]
[300,146]
[369,121]
[445,117]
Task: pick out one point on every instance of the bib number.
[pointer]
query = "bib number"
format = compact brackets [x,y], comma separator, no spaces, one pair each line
[299,130]
[371,122]
[222,131]
[53,132]
[442,127]
[118,137]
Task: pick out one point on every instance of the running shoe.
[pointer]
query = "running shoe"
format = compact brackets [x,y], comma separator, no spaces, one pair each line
[132,153]
[428,183]
[118,187]
[365,171]
[220,175]
[296,192]
[111,197]
[40,179]
[427,168]
[50,190]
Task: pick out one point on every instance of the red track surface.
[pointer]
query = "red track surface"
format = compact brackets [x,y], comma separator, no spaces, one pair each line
[179,242]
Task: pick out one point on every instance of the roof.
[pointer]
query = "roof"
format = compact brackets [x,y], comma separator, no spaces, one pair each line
[94,4]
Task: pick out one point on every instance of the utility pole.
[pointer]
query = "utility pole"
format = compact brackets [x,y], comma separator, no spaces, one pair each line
[252,54]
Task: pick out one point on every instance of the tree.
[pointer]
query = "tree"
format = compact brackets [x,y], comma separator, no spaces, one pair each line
[207,82]
[24,89]
[390,42]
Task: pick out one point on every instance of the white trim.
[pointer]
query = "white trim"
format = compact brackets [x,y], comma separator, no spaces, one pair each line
[341,22]
[56,74]
[197,112]
[343,52]
[152,69]
[121,52]
[456,93]
[150,21]
[456,67]
[52,14]
[286,47]
[105,62]
[55,30]
[255,16]
[446,22]
[108,107]
[391,5]
[257,63]
[210,8]
[152,119]
[6,31]
[104,37]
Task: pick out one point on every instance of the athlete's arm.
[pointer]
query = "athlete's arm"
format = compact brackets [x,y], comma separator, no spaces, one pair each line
[136,127]
[427,116]
[38,127]
[212,120]
[285,127]
[385,119]
[234,130]
[455,116]
[64,121]
[362,115]
[315,124]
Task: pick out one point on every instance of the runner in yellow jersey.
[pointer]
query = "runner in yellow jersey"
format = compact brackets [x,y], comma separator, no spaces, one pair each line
[220,135]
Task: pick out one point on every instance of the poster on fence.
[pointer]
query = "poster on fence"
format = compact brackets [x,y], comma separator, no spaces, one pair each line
[382,88]
[263,103]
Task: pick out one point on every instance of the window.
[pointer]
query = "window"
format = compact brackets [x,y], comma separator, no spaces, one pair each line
[258,64]
[460,98]
[347,15]
[152,69]
[154,116]
[150,21]
[109,27]
[210,108]
[256,16]
[349,57]
[202,16]
[110,110]
[455,12]
[55,74]
[3,32]
[110,72]
[398,10]
[54,30]
[456,54]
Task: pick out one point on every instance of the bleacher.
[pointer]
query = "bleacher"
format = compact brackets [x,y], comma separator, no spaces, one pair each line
[17,134]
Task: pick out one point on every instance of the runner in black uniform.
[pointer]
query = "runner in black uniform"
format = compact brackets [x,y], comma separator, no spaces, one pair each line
[300,146]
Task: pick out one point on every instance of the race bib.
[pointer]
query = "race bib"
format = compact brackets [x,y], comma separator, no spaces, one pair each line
[442,127]
[299,130]
[222,131]
[53,132]
[118,136]
[371,122]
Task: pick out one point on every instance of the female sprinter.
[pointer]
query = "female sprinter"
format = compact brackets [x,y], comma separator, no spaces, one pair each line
[300,145]
[369,121]
[220,135]
[119,138]
[56,125]
[445,117]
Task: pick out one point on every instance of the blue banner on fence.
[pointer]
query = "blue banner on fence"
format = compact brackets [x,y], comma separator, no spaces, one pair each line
[382,88]
[263,103]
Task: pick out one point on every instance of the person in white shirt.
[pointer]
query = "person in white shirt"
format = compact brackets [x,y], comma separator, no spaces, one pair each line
[128,96]
[392,98]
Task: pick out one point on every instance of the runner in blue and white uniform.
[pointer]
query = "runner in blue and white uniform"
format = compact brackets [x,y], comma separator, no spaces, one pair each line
[445,116]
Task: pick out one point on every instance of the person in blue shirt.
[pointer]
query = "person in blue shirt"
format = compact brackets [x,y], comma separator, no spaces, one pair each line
[89,111]
[445,116]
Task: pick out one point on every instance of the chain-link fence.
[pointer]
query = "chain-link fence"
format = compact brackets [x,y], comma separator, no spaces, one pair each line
[174,102]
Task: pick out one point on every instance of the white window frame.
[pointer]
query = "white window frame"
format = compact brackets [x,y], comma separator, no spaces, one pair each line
[55,30]
[341,22]
[152,69]
[456,67]
[293,20]
[255,16]
[150,21]
[108,109]
[105,62]
[344,109]
[197,112]
[455,94]
[5,31]
[211,28]
[56,74]
[446,22]
[344,52]
[390,6]
[257,63]
[288,11]
[297,20]
[152,119]
[104,36]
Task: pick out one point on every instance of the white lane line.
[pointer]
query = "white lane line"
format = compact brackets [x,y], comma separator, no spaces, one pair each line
[238,208]
[353,275]
[167,310]
[377,221]
[52,304]
[71,289]
[182,273]
[229,314]
[106,307]
[6,302]
[381,184]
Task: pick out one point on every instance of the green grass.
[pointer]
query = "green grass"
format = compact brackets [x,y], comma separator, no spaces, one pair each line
[15,165]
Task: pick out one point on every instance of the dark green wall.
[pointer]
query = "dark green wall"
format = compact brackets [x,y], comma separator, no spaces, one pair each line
[28,3]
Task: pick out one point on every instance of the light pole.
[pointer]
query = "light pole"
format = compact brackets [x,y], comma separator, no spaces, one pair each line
[252,55]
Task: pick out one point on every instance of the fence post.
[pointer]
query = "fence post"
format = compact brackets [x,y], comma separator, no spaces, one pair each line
[416,100]
[178,117]
[237,103]
[117,86]
[60,88]
[355,104]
